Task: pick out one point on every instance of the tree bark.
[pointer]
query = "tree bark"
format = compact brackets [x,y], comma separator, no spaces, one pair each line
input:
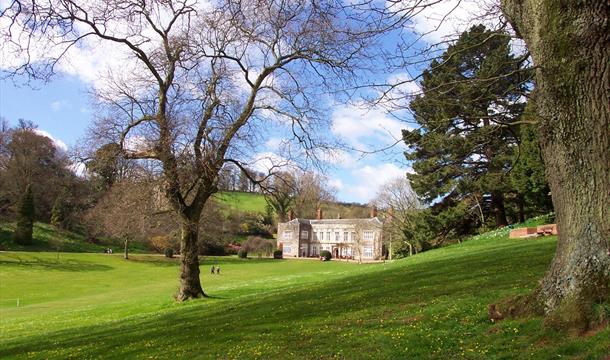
[521,206]
[497,205]
[570,44]
[190,284]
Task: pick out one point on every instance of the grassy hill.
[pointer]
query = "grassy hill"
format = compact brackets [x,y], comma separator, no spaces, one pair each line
[242,201]
[430,306]
[47,238]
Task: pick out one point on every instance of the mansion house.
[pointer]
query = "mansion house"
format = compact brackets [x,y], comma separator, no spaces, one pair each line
[344,238]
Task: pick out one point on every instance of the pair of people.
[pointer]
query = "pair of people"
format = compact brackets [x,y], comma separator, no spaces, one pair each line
[216,269]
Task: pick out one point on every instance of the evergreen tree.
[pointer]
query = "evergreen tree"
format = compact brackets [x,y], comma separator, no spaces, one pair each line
[528,176]
[462,149]
[58,212]
[25,218]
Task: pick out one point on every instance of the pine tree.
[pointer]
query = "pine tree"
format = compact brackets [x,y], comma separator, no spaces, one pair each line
[462,149]
[25,220]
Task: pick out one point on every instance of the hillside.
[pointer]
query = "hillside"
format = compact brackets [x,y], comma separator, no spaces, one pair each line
[255,202]
[430,306]
[47,238]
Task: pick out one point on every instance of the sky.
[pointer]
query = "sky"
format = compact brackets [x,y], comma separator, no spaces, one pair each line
[63,111]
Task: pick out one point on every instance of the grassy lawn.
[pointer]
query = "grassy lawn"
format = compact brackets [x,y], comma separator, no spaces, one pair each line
[431,306]
[242,201]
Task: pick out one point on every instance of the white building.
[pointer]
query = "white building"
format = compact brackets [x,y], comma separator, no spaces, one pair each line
[344,238]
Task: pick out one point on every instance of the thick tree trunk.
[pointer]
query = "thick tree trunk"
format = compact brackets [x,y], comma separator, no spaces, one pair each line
[570,44]
[190,285]
[497,205]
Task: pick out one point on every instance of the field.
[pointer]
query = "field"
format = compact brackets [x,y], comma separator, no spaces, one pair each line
[430,306]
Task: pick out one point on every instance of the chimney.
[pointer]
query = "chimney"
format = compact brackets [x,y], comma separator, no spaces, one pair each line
[290,215]
[374,211]
[319,214]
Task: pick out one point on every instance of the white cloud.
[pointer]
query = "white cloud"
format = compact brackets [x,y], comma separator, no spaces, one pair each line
[368,179]
[58,143]
[365,128]
[266,162]
[442,20]
[58,105]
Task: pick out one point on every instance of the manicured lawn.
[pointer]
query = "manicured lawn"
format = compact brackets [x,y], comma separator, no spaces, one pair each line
[431,306]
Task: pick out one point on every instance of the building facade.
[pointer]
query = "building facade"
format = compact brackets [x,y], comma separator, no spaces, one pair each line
[360,239]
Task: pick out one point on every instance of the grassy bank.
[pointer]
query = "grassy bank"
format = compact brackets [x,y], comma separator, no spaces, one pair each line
[431,306]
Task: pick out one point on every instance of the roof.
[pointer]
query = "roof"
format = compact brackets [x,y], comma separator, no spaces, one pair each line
[374,220]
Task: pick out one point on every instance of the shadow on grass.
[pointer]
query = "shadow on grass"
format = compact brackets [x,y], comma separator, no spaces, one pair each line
[310,319]
[33,262]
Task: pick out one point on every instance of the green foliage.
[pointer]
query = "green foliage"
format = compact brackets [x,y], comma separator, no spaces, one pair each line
[528,176]
[433,305]
[168,252]
[25,218]
[462,146]
[277,254]
[242,254]
[326,255]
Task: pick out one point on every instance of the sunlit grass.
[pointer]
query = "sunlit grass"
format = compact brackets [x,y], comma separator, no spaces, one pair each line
[430,306]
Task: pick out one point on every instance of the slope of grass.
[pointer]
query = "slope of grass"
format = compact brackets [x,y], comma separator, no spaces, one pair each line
[242,201]
[46,237]
[430,306]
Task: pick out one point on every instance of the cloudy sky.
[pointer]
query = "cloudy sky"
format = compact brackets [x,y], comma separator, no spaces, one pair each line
[63,110]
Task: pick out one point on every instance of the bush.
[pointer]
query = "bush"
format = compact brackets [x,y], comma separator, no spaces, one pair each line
[277,254]
[211,248]
[326,255]
[242,254]
[169,252]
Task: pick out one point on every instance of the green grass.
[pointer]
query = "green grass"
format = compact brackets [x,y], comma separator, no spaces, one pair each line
[46,237]
[242,201]
[430,306]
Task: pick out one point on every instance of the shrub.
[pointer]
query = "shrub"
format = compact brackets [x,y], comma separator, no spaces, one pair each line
[277,254]
[259,246]
[169,252]
[242,254]
[326,255]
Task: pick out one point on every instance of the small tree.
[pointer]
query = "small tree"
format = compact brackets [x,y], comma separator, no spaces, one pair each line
[58,212]
[25,221]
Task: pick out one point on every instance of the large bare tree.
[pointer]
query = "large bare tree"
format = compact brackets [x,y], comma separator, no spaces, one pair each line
[204,81]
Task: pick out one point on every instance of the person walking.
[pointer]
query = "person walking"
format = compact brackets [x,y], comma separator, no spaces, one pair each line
[217,269]
[212,270]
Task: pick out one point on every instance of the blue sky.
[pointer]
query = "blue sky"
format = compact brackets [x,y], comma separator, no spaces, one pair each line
[63,109]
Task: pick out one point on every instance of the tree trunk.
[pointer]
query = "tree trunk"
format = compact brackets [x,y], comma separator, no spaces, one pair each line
[570,44]
[190,284]
[497,206]
[521,206]
[126,253]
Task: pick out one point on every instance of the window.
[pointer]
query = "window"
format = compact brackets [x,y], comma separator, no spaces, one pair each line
[368,252]
[368,235]
[315,236]
[352,236]
[314,250]
[345,239]
[287,249]
[304,234]
[328,236]
[337,239]
[287,234]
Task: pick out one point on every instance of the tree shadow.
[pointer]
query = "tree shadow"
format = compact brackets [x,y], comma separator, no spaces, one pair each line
[33,262]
